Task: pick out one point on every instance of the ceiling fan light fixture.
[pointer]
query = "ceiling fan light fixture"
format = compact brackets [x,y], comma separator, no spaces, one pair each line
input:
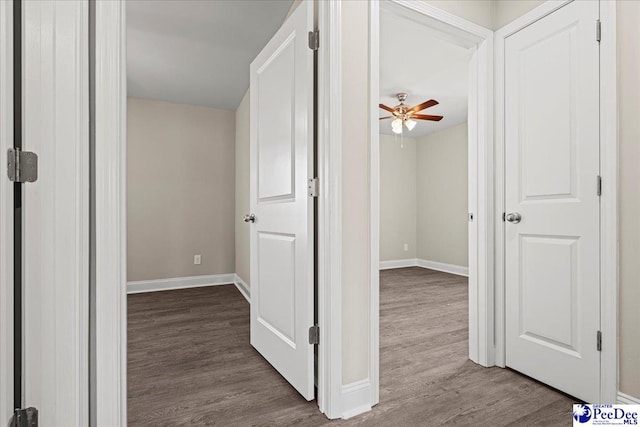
[410,124]
[396,126]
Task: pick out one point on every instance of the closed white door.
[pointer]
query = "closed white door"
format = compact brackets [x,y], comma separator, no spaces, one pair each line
[552,167]
[281,153]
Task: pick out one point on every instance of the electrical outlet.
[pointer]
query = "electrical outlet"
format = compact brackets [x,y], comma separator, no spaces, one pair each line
[406,247]
[197,259]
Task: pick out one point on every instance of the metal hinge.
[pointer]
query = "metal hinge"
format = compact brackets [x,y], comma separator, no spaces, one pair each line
[598,31]
[314,40]
[24,418]
[314,187]
[599,186]
[22,166]
[314,335]
[599,340]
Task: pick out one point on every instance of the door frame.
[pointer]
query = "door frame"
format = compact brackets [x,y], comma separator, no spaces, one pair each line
[109,383]
[481,165]
[6,213]
[608,201]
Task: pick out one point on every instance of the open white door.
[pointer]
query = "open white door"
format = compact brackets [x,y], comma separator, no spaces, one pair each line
[281,153]
[552,203]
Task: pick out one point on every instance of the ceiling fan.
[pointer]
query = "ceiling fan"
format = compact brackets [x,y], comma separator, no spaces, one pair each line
[407,115]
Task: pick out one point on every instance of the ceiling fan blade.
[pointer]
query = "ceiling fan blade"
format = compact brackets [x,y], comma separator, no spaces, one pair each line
[426,117]
[389,109]
[388,117]
[426,104]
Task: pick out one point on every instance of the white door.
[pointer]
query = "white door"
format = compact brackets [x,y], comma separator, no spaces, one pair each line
[281,153]
[552,167]
[56,212]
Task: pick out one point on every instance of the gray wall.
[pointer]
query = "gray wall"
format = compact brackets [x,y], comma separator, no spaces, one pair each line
[629,193]
[180,190]
[398,212]
[242,189]
[355,191]
[442,194]
[424,197]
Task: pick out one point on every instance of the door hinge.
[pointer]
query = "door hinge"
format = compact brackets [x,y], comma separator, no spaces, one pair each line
[599,340]
[599,186]
[24,418]
[22,166]
[314,187]
[314,40]
[598,31]
[314,335]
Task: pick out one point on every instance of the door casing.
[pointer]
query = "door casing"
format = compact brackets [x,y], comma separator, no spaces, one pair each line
[6,213]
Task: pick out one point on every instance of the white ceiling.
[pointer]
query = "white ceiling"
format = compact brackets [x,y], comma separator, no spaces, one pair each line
[414,61]
[197,52]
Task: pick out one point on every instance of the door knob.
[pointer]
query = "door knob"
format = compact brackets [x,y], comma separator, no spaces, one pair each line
[514,217]
[249,218]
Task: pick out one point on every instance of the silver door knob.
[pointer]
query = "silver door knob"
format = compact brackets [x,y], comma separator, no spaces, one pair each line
[514,217]
[249,218]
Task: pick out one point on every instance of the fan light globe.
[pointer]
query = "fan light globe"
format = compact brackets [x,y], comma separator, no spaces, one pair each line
[410,124]
[396,126]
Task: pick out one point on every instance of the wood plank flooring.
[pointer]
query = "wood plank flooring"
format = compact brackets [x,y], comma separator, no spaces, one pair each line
[190,363]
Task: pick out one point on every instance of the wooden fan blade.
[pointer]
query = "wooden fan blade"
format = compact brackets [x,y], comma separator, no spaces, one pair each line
[389,109]
[426,104]
[388,117]
[426,117]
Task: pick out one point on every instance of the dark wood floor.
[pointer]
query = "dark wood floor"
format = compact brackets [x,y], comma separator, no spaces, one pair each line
[190,363]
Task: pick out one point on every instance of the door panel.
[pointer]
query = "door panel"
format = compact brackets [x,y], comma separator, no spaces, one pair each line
[281,158]
[276,162]
[552,164]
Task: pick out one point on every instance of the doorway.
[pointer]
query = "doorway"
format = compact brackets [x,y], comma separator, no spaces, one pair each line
[477,41]
[184,97]
[490,201]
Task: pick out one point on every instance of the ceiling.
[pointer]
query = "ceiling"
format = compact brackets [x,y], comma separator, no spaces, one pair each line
[197,52]
[414,61]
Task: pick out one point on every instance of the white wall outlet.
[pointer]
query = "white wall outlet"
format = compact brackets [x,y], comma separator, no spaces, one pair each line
[197,259]
[406,247]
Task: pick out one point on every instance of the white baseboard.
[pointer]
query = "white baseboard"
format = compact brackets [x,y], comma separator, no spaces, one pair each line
[398,263]
[441,266]
[356,398]
[628,400]
[180,283]
[243,288]
[431,265]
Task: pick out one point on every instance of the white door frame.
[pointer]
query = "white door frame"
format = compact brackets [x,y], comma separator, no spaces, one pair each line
[329,219]
[481,165]
[608,201]
[109,385]
[6,213]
